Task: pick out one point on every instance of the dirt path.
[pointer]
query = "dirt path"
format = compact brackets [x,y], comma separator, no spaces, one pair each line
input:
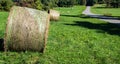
[101,17]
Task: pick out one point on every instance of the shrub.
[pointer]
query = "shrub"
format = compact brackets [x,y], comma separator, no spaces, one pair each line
[38,4]
[107,14]
[5,4]
[66,3]
[30,3]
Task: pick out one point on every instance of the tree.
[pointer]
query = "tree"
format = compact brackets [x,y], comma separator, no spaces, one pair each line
[29,3]
[66,3]
[112,3]
[109,3]
[53,3]
[5,4]
[89,2]
[81,2]
[38,4]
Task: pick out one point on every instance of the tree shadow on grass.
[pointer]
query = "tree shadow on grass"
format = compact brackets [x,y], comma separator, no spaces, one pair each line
[70,15]
[116,17]
[101,28]
[1,44]
[102,7]
[103,17]
[78,16]
[95,16]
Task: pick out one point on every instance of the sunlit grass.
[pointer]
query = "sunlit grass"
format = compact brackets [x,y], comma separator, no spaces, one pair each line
[72,40]
[100,9]
[3,19]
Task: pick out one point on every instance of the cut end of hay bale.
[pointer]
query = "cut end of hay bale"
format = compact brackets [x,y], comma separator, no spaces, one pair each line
[54,15]
[26,29]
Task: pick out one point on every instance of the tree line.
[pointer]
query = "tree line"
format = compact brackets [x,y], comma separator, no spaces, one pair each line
[47,4]
[37,4]
[109,3]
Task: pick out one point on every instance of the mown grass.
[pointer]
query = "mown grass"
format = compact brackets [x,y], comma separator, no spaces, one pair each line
[73,40]
[101,9]
[3,19]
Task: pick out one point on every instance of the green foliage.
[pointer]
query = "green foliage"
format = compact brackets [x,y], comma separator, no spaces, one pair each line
[109,3]
[47,4]
[30,3]
[38,4]
[66,3]
[99,1]
[5,4]
[54,3]
[89,2]
[81,2]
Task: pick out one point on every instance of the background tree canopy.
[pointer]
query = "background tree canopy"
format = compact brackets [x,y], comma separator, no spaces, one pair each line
[5,4]
[47,4]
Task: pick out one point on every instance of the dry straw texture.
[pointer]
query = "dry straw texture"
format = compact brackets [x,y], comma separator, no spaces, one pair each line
[54,15]
[26,29]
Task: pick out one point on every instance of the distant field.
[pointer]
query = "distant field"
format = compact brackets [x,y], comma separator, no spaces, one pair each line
[100,9]
[74,39]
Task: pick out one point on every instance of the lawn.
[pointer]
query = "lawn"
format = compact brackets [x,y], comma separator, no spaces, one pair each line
[100,9]
[3,19]
[73,39]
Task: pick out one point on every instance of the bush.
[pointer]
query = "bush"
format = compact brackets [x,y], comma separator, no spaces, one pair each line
[66,3]
[36,4]
[5,4]
[107,14]
[46,4]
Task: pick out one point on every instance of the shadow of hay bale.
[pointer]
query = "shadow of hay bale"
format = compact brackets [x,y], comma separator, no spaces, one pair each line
[27,29]
[1,44]
[54,15]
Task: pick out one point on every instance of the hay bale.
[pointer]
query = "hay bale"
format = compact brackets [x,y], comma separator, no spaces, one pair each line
[26,29]
[54,15]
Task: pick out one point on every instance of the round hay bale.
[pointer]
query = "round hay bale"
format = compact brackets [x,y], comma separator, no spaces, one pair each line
[54,15]
[26,29]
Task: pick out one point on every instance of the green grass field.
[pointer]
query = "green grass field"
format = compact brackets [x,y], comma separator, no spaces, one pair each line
[100,9]
[72,40]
